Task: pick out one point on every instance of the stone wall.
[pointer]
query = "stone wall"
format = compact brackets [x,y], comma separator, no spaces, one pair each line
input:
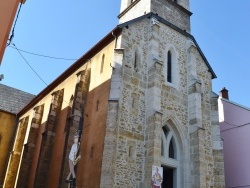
[172,12]
[47,145]
[75,120]
[176,13]
[29,147]
[147,102]
[14,161]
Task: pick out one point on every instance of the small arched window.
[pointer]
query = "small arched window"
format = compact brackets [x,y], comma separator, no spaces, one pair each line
[131,151]
[169,67]
[102,63]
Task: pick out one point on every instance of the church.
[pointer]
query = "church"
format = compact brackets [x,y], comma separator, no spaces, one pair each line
[140,99]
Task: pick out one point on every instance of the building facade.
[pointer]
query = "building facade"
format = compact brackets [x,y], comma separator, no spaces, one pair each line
[235,128]
[141,97]
[8,10]
[11,102]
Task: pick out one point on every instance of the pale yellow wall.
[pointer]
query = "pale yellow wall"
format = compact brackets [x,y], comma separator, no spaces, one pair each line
[69,84]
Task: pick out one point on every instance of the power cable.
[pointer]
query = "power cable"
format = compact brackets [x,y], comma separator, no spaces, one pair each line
[46,56]
[29,65]
[233,125]
[32,68]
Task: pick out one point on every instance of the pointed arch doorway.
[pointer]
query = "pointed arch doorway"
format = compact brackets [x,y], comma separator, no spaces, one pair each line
[170,158]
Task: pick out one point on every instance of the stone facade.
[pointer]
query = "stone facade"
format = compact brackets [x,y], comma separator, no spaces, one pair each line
[48,145]
[29,148]
[176,13]
[146,102]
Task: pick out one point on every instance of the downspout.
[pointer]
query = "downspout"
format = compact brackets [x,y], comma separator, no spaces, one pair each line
[115,39]
[114,47]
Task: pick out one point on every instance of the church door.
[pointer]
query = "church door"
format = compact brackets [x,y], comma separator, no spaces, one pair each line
[170,158]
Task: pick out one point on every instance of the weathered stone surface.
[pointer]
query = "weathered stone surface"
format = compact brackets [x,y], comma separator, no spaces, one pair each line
[185,104]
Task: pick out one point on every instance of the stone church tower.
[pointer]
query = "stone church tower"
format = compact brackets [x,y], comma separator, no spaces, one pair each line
[161,108]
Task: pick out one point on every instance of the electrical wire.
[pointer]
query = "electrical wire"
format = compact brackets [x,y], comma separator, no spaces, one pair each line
[222,121]
[32,68]
[234,126]
[46,56]
[29,65]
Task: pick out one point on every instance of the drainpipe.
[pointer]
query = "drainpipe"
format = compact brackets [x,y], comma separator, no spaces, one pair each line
[115,39]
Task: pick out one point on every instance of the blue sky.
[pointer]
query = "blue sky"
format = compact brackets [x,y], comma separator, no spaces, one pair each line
[68,29]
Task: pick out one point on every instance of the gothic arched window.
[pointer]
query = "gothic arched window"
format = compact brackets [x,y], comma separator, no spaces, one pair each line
[170,158]
[168,144]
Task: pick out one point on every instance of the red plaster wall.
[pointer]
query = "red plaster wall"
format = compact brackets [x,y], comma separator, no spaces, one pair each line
[32,172]
[89,167]
[57,154]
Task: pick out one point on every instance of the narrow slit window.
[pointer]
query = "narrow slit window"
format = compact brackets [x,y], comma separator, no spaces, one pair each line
[92,152]
[135,61]
[169,67]
[171,151]
[133,102]
[162,148]
[97,105]
[102,63]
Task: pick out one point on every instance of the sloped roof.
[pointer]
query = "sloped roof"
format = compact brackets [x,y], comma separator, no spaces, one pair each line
[112,35]
[13,100]
[82,60]
[235,104]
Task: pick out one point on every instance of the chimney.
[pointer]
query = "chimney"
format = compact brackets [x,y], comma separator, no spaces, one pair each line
[224,93]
